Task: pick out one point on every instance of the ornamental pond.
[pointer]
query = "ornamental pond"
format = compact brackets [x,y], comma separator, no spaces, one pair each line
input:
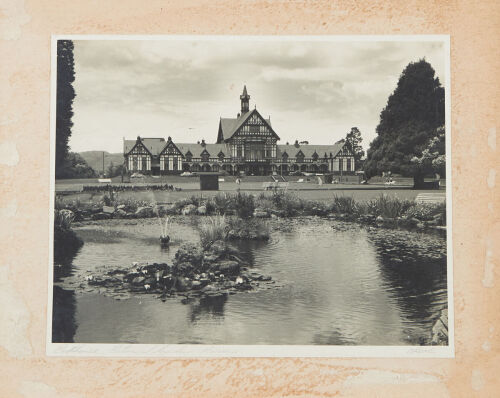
[333,282]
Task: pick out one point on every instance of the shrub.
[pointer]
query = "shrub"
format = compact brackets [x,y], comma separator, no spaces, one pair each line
[209,204]
[213,229]
[63,219]
[288,203]
[245,205]
[195,200]
[265,202]
[108,201]
[426,211]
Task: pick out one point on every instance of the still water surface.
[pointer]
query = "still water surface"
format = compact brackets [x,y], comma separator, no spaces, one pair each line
[335,283]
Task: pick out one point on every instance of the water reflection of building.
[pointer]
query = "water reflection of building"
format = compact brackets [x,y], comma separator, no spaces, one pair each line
[246,143]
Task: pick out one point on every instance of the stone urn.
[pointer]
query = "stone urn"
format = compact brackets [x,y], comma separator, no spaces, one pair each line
[164,240]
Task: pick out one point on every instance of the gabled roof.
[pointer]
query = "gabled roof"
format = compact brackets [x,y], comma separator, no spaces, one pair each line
[171,144]
[229,126]
[197,149]
[308,150]
[152,145]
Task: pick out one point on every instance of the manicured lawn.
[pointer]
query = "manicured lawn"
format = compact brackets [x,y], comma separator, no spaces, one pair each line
[190,186]
[358,193]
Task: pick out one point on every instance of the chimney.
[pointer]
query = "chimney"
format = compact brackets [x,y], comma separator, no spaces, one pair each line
[203,142]
[296,144]
[239,114]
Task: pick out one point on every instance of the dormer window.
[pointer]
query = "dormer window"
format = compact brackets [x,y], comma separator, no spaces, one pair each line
[189,156]
[221,155]
[315,156]
[300,157]
[284,157]
[205,156]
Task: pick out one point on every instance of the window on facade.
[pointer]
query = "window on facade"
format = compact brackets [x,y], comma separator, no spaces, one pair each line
[176,164]
[239,151]
[144,163]
[341,164]
[134,161]
[348,168]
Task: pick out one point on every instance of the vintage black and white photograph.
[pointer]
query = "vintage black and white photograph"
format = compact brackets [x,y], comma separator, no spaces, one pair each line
[251,191]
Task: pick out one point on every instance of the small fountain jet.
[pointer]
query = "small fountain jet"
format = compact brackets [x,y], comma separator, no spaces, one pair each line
[164,237]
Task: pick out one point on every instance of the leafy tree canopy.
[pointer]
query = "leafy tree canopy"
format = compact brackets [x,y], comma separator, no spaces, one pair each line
[354,139]
[412,117]
[114,171]
[433,158]
[75,166]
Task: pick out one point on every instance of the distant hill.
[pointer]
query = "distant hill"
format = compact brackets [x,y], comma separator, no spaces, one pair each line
[94,159]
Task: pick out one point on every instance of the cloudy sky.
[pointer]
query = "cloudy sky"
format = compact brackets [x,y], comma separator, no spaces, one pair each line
[313,90]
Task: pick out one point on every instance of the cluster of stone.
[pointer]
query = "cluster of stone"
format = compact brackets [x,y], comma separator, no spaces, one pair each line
[194,273]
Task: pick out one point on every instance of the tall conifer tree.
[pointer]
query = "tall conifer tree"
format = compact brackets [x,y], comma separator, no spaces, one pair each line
[65,96]
[412,117]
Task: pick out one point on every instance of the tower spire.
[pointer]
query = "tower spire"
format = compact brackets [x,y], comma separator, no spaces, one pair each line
[245,99]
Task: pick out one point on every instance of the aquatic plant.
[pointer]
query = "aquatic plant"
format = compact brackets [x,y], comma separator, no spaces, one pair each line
[219,204]
[344,204]
[389,206]
[212,229]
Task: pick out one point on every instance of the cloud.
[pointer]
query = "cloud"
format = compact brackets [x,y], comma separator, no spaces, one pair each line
[182,87]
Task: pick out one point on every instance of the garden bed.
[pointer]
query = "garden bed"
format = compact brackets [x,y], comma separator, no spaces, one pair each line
[384,211]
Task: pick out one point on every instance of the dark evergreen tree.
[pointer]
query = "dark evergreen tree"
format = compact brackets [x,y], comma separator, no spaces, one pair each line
[354,139]
[411,118]
[75,166]
[65,95]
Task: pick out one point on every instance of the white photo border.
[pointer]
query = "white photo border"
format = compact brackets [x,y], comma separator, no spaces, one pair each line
[257,350]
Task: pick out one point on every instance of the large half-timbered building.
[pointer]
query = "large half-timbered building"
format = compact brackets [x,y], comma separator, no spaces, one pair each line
[245,144]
